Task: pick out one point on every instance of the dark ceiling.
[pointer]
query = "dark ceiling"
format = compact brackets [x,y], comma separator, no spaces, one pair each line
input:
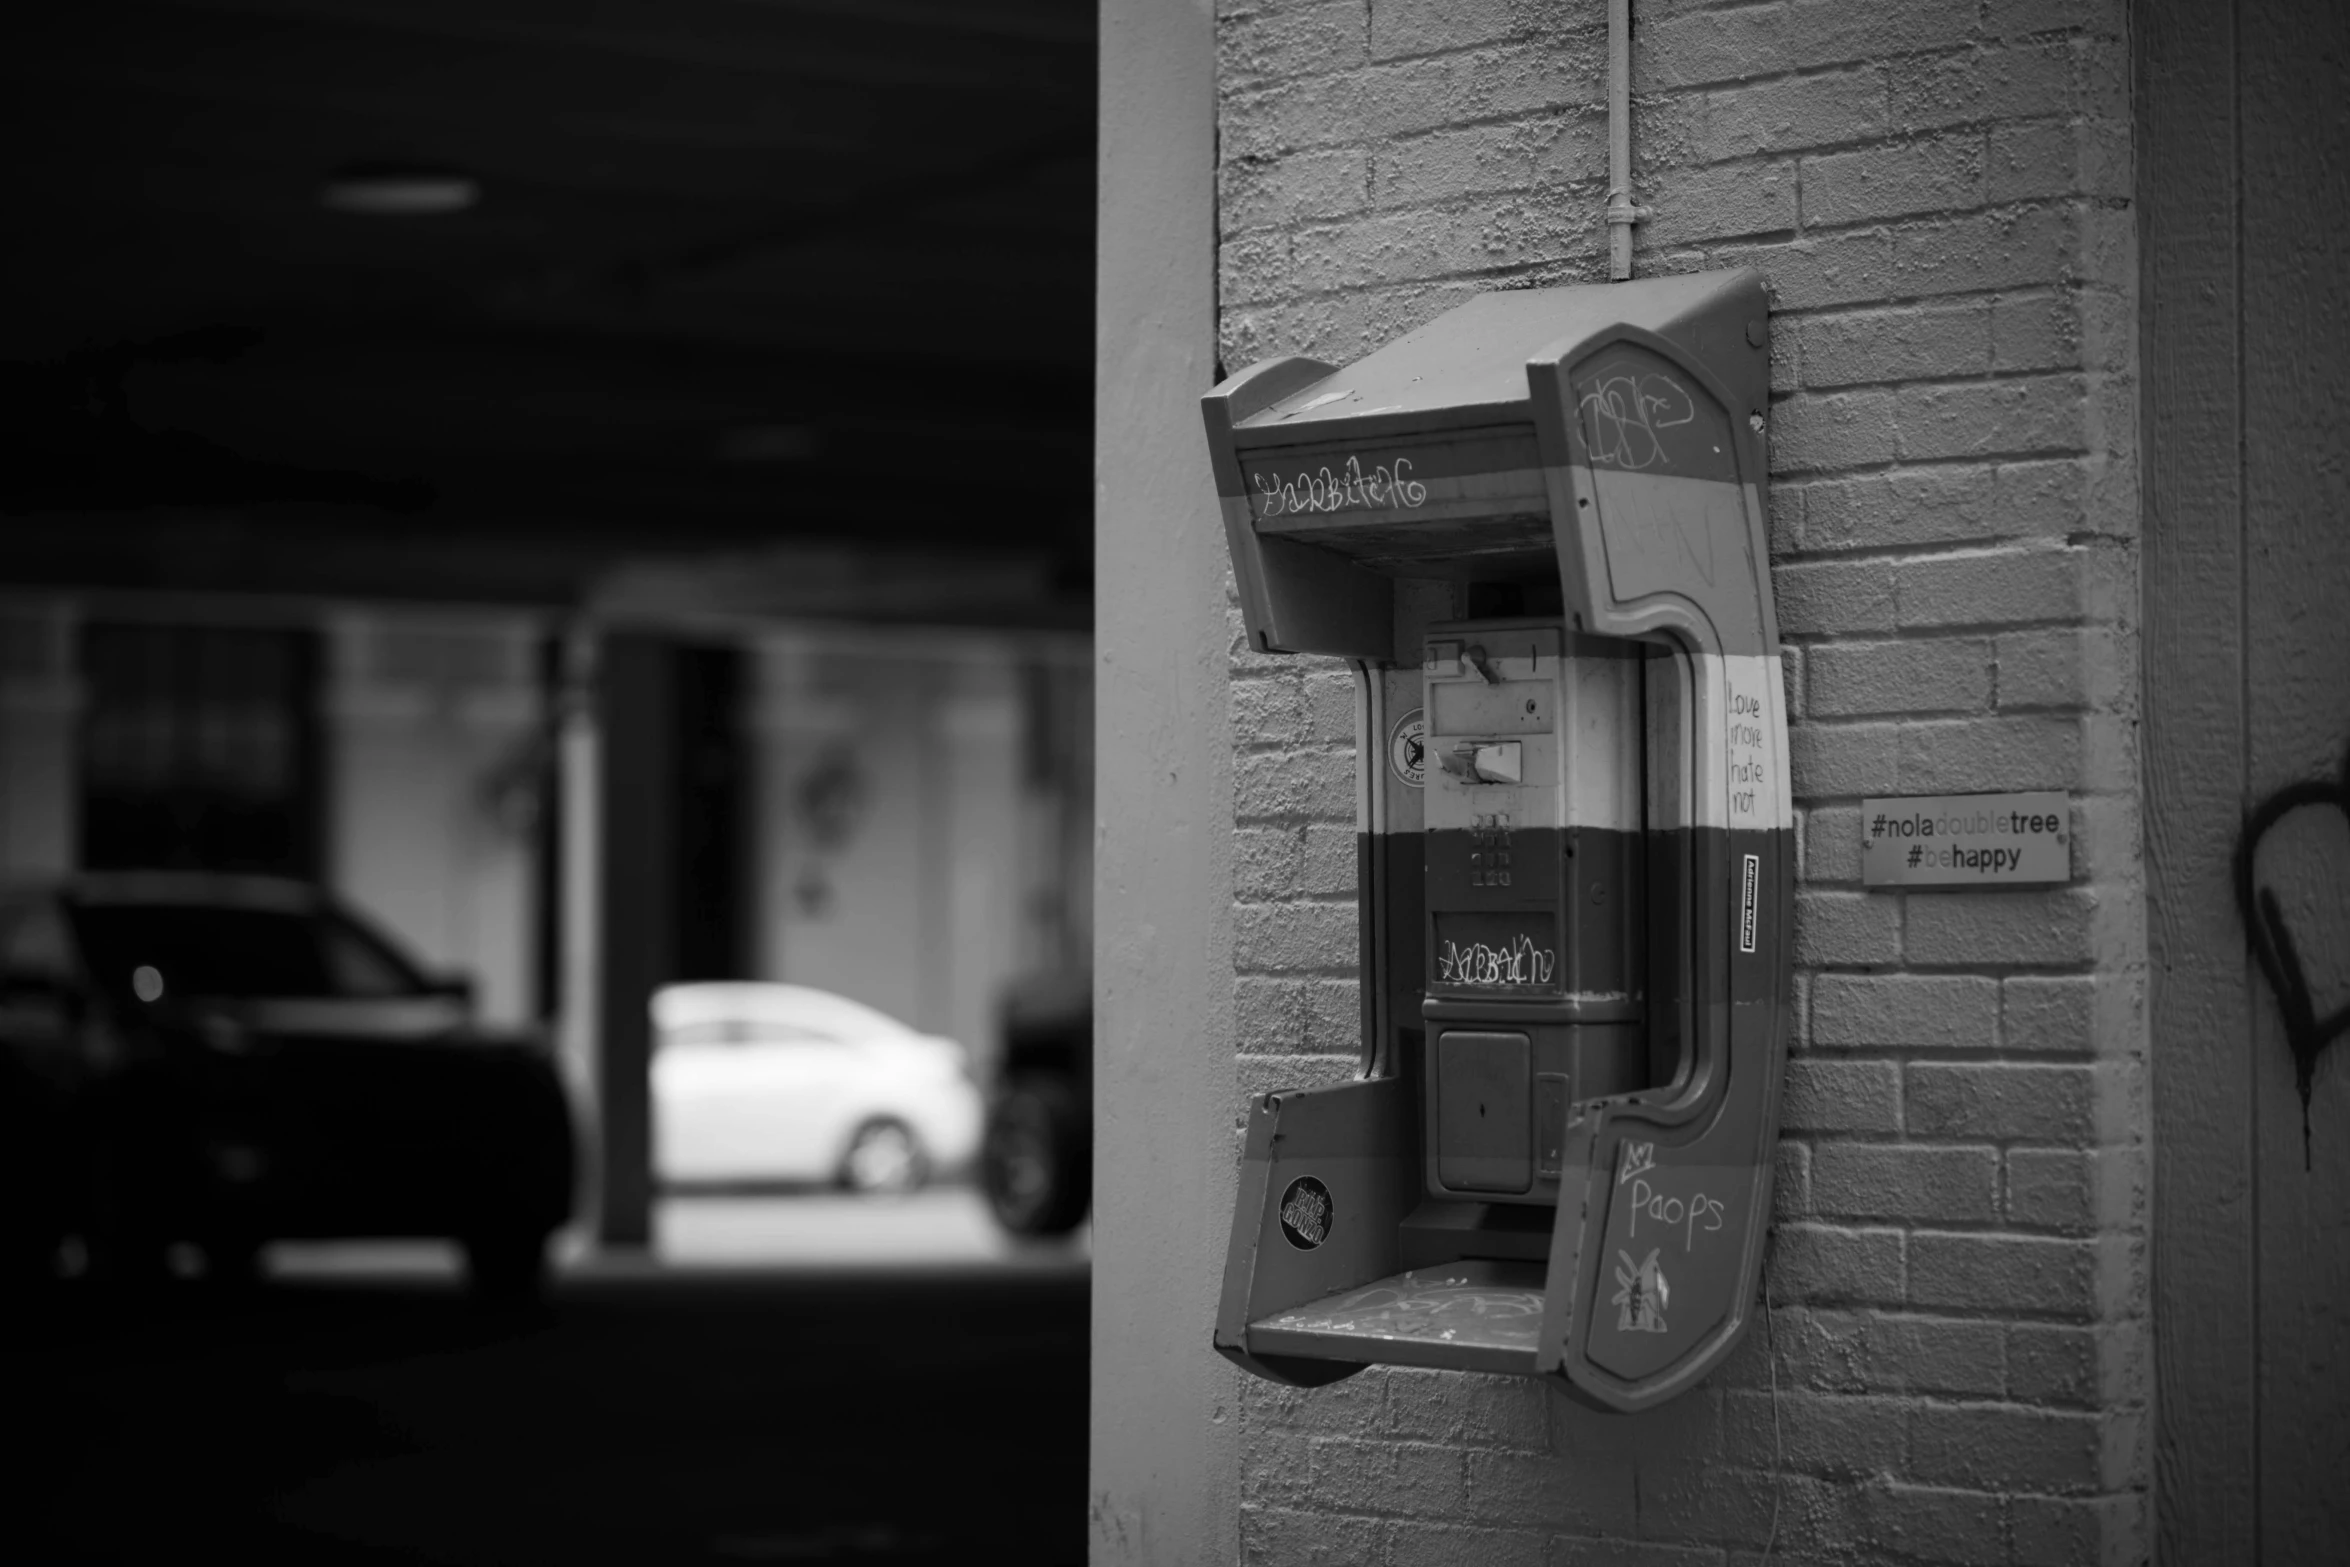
[745,275]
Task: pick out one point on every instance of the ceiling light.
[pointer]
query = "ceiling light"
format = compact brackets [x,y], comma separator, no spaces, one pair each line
[398,191]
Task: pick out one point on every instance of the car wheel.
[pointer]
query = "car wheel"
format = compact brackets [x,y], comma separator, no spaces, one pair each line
[506,1267]
[1037,1161]
[884,1156]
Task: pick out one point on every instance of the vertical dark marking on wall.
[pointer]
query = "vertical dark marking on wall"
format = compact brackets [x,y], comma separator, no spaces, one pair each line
[2271,936]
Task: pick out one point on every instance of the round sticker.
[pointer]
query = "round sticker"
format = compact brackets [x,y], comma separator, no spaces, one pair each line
[1407,749]
[1306,1213]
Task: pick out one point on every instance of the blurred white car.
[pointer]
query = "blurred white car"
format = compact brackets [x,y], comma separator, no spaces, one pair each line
[783,1083]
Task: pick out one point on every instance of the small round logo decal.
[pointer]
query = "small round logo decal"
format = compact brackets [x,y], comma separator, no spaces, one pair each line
[1306,1213]
[1407,749]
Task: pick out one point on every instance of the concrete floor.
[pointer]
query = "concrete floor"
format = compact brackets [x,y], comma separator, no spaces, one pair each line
[813,1379]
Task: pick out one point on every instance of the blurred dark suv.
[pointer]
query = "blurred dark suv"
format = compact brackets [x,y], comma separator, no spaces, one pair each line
[1036,1156]
[228,1061]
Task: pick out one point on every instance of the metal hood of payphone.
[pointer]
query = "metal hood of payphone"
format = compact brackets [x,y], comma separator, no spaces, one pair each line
[1597,455]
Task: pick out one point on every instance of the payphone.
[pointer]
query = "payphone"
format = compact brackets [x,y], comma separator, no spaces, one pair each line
[1536,527]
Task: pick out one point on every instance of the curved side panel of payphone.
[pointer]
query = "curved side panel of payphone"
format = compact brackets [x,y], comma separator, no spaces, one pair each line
[1656,476]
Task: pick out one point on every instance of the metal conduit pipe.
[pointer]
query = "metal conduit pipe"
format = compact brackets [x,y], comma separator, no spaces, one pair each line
[1621,213]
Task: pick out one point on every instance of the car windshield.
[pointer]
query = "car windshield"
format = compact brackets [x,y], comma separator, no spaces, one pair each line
[225,952]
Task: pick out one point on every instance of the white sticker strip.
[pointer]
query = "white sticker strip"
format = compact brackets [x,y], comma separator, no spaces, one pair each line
[1744,779]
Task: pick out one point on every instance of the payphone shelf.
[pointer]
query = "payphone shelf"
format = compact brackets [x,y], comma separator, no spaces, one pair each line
[1473,1315]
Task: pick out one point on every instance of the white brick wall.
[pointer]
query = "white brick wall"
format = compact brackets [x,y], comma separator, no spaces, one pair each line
[1938,191]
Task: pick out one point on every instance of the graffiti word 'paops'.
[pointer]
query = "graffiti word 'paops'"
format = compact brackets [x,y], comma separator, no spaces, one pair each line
[1388,484]
[1692,1216]
[1519,963]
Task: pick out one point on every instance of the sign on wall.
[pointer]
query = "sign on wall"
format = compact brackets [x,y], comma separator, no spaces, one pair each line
[1966,840]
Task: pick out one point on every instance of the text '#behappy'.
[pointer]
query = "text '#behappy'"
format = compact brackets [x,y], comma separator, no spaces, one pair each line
[1349,488]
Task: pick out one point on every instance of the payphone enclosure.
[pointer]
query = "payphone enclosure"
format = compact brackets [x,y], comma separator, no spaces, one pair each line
[1536,527]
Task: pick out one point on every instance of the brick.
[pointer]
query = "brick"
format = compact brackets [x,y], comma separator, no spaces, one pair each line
[1402,31]
[1827,760]
[1828,32]
[2052,1189]
[1962,756]
[1446,165]
[1841,1096]
[2003,1273]
[1415,1544]
[1267,710]
[1830,431]
[1512,1488]
[1831,845]
[2009,18]
[2060,669]
[1938,1355]
[2052,1015]
[1816,1263]
[2053,1531]
[1333,1016]
[1289,40]
[1999,1100]
[1718,1504]
[1468,1410]
[1980,86]
[2051,1364]
[2035,332]
[2033,160]
[1411,1478]
[1282,1475]
[1845,928]
[1351,1405]
[1874,183]
[1888,1181]
[2038,499]
[1727,201]
[1274,192]
[1574,155]
[1284,1537]
[1933,1523]
[1904,1011]
[2004,1447]
[1294,938]
[1265,863]
[1790,1182]
[1253,265]
[1390,247]
[1866,679]
[1787,116]
[1871,1352]
[2026,929]
[1709,47]
[1819,272]
[1327,866]
[1909,344]
[1288,785]
[1328,689]
[2006,248]
[1822,1434]
[1835,597]
[1568,1550]
[1268,1014]
[2005,418]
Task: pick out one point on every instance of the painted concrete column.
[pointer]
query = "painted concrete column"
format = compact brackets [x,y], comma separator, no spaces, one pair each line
[1164,1482]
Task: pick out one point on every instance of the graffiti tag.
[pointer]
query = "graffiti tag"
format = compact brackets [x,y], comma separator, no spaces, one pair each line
[2273,945]
[1519,963]
[1623,415]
